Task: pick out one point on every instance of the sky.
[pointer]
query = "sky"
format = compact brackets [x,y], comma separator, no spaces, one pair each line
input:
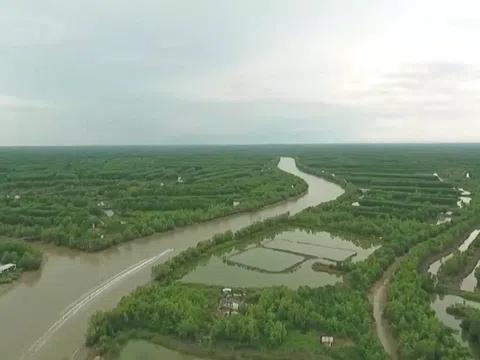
[104,72]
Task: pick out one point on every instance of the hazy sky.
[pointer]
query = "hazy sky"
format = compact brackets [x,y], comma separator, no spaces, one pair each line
[230,71]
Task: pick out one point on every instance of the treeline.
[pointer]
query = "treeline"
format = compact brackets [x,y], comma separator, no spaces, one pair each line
[410,160]
[461,263]
[188,313]
[390,198]
[94,198]
[372,181]
[422,213]
[470,321]
[419,333]
[440,199]
[419,191]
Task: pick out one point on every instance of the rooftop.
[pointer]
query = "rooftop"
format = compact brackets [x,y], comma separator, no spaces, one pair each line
[327,339]
[7,267]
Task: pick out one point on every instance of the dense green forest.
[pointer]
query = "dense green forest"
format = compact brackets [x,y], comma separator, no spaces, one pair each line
[394,194]
[92,198]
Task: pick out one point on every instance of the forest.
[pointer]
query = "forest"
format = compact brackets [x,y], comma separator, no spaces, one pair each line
[92,198]
[393,193]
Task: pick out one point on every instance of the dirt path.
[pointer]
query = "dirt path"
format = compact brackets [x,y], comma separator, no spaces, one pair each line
[378,297]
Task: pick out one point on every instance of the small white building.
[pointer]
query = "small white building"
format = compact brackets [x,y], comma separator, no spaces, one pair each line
[6,268]
[327,340]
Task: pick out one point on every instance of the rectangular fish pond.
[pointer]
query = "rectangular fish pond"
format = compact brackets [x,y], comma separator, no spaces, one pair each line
[286,259]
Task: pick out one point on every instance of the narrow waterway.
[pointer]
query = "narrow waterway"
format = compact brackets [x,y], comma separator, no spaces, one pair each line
[435,266]
[469,283]
[45,316]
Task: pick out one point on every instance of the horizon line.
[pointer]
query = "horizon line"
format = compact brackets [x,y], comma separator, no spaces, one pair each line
[239,144]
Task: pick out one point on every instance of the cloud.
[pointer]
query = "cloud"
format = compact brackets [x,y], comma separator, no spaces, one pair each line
[436,100]
[251,71]
[14,103]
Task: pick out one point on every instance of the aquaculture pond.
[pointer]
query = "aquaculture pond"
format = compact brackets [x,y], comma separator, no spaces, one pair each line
[435,266]
[284,260]
[440,305]
[469,283]
[322,245]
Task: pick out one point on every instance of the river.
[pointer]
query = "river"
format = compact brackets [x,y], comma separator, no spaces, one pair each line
[45,316]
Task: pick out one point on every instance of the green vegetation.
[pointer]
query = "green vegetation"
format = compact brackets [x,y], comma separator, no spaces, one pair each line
[189,313]
[397,180]
[460,264]
[24,256]
[399,201]
[93,198]
[470,321]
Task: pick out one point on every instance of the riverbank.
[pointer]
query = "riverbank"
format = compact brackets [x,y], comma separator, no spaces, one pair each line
[102,277]
[122,196]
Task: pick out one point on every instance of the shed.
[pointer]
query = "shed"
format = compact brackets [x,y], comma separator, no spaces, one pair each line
[327,340]
[231,303]
[7,267]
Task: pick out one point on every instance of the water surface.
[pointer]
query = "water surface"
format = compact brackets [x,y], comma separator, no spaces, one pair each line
[47,314]
[440,305]
[435,266]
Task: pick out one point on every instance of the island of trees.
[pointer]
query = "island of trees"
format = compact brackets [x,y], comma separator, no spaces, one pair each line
[24,256]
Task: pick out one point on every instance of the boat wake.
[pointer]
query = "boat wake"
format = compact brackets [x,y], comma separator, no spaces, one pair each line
[76,306]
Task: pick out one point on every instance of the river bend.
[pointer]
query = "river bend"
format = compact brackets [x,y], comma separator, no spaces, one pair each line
[45,315]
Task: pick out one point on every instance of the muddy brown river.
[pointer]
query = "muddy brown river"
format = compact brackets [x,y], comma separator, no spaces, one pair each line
[45,316]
